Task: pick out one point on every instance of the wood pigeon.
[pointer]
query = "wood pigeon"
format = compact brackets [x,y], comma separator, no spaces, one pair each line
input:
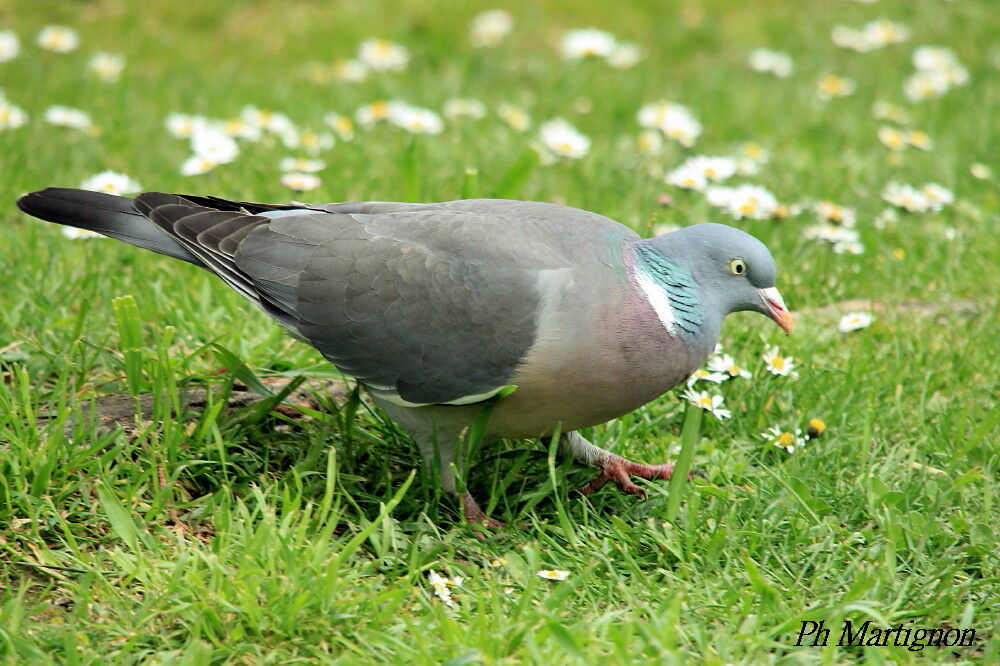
[435,308]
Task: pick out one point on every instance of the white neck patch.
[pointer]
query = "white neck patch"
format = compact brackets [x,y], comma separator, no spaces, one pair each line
[658,299]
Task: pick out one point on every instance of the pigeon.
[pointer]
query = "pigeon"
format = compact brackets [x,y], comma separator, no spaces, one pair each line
[556,318]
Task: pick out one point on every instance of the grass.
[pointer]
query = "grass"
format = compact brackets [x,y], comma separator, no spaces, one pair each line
[311,542]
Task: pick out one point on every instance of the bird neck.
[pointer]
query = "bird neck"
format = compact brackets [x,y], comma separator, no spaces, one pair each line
[672,292]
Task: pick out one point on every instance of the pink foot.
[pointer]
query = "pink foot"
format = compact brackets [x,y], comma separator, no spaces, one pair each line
[475,515]
[618,470]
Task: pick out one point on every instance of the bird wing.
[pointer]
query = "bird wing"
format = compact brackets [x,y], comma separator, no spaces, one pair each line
[423,303]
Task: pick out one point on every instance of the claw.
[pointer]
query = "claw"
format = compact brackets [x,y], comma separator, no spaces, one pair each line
[618,470]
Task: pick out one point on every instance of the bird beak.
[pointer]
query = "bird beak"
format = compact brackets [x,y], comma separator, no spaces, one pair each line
[774,306]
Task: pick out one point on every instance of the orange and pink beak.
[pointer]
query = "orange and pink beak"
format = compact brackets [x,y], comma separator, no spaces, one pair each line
[775,308]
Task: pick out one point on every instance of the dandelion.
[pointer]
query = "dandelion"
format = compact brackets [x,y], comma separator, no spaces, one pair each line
[726,365]
[552,574]
[779,365]
[710,403]
[562,139]
[58,38]
[111,182]
[301,182]
[107,66]
[464,108]
[415,119]
[855,321]
[771,62]
[64,116]
[301,164]
[701,374]
[789,440]
[342,125]
[577,44]
[10,45]
[831,85]
[197,165]
[625,56]
[383,55]
[514,116]
[350,70]
[11,115]
[490,27]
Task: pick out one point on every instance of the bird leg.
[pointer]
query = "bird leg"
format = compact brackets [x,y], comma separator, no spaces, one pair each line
[612,467]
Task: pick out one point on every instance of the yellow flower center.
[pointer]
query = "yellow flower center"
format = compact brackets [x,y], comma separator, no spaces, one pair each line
[705,402]
[785,439]
[778,362]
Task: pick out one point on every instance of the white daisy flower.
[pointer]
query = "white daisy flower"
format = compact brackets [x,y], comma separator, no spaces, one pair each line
[111,182]
[687,176]
[312,142]
[11,115]
[562,139]
[835,234]
[715,169]
[849,38]
[919,139]
[743,201]
[441,587]
[911,199]
[182,125]
[342,125]
[350,70]
[933,58]
[239,128]
[649,142]
[490,27]
[938,195]
[701,374]
[64,116]
[272,121]
[552,574]
[980,171]
[772,62]
[514,116]
[460,107]
[107,66]
[578,44]
[853,321]
[710,403]
[892,138]
[415,119]
[58,38]
[827,211]
[779,365]
[883,110]
[925,85]
[76,234]
[196,165]
[674,120]
[301,164]
[831,85]
[883,32]
[374,112]
[302,182]
[383,55]
[784,439]
[725,364]
[10,45]
[213,145]
[626,55]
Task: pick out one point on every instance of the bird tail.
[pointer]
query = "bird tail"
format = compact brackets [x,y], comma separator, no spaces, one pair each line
[106,214]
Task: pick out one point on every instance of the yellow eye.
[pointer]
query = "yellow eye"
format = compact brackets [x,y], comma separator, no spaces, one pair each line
[737,266]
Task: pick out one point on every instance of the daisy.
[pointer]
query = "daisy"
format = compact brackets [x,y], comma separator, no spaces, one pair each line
[309,141]
[374,112]
[552,574]
[197,165]
[883,32]
[827,211]
[883,110]
[687,176]
[415,119]
[710,403]
[771,62]
[649,142]
[383,55]
[111,182]
[784,439]
[514,116]
[76,234]
[302,182]
[342,125]
[490,27]
[10,45]
[778,364]
[64,116]
[107,66]
[11,116]
[831,85]
[674,120]
[239,128]
[849,38]
[441,586]
[854,321]
[938,195]
[578,44]
[182,125]
[980,171]
[925,85]
[892,138]
[349,70]
[701,374]
[625,56]
[725,364]
[744,201]
[58,38]
[301,164]
[213,145]
[562,139]
[919,139]
[464,108]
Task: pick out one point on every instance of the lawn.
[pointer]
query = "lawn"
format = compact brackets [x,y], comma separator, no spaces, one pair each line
[202,531]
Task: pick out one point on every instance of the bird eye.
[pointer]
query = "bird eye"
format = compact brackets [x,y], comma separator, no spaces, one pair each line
[737,266]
